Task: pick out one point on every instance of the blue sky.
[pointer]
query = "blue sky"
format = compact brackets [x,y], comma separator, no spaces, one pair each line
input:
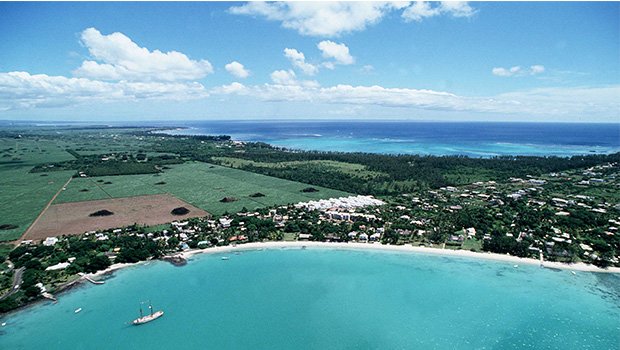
[421,61]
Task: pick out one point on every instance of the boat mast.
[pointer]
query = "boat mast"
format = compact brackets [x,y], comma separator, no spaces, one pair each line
[151,308]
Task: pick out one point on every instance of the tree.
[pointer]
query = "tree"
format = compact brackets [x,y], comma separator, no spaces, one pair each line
[173,242]
[97,263]
[32,291]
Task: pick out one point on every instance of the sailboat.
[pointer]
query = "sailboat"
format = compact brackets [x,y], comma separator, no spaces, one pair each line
[148,318]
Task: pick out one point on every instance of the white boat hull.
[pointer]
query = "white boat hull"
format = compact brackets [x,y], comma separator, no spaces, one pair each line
[148,318]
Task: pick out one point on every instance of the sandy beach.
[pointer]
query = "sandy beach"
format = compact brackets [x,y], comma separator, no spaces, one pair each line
[399,248]
[375,246]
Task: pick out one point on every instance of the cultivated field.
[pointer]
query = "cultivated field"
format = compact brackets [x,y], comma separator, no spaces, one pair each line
[351,169]
[22,194]
[200,184]
[73,218]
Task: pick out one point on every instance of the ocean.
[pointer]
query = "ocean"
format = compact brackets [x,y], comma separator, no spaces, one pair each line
[330,299]
[473,139]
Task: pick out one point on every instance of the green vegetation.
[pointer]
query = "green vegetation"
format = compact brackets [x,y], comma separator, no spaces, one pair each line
[326,166]
[387,174]
[511,202]
[23,196]
[200,184]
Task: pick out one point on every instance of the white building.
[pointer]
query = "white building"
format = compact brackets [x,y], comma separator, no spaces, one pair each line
[50,241]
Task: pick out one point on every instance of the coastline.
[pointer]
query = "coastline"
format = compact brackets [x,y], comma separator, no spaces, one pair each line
[400,248]
[374,246]
[187,255]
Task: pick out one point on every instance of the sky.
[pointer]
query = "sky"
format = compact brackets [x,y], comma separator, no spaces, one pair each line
[516,61]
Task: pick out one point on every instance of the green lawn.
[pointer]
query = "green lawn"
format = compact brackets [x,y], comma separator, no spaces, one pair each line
[199,184]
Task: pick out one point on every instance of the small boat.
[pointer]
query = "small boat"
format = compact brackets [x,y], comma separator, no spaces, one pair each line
[516,266]
[225,258]
[148,318]
[77,310]
[3,324]
[573,272]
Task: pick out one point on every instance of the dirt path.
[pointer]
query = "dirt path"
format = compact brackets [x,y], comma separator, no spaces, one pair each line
[43,211]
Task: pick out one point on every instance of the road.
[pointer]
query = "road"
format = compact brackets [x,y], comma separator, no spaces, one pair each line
[17,280]
[25,235]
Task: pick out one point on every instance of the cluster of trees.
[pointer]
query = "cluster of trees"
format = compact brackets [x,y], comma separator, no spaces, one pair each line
[120,164]
[397,173]
[90,256]
[502,244]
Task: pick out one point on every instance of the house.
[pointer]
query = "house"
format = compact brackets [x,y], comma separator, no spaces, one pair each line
[304,236]
[239,238]
[225,222]
[363,237]
[59,266]
[455,239]
[50,241]
[471,232]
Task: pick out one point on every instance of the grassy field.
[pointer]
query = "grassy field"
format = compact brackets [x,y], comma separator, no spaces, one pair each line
[29,152]
[25,194]
[199,184]
[351,169]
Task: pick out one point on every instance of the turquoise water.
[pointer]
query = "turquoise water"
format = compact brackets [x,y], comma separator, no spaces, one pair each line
[473,139]
[330,299]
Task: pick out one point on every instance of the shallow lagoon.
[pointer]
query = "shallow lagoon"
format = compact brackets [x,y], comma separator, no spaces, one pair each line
[330,299]
[473,139]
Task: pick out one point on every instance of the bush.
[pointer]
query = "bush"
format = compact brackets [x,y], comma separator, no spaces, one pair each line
[8,304]
[32,291]
[179,211]
[102,212]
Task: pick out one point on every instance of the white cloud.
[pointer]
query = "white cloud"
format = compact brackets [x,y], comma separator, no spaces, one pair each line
[420,10]
[288,78]
[339,52]
[517,71]
[117,57]
[22,90]
[457,8]
[506,72]
[367,68]
[562,102]
[237,69]
[283,77]
[324,19]
[233,88]
[298,60]
[25,90]
[537,69]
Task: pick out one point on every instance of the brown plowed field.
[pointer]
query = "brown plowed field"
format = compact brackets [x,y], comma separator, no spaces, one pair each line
[73,218]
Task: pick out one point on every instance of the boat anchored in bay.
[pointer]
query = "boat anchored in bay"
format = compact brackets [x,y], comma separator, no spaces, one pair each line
[148,318]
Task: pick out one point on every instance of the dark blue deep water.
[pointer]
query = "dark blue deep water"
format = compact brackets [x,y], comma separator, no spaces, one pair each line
[474,139]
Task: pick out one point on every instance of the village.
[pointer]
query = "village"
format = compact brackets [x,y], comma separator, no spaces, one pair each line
[523,217]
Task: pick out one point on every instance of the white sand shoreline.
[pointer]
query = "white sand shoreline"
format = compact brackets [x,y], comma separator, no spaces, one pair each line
[374,246]
[399,248]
